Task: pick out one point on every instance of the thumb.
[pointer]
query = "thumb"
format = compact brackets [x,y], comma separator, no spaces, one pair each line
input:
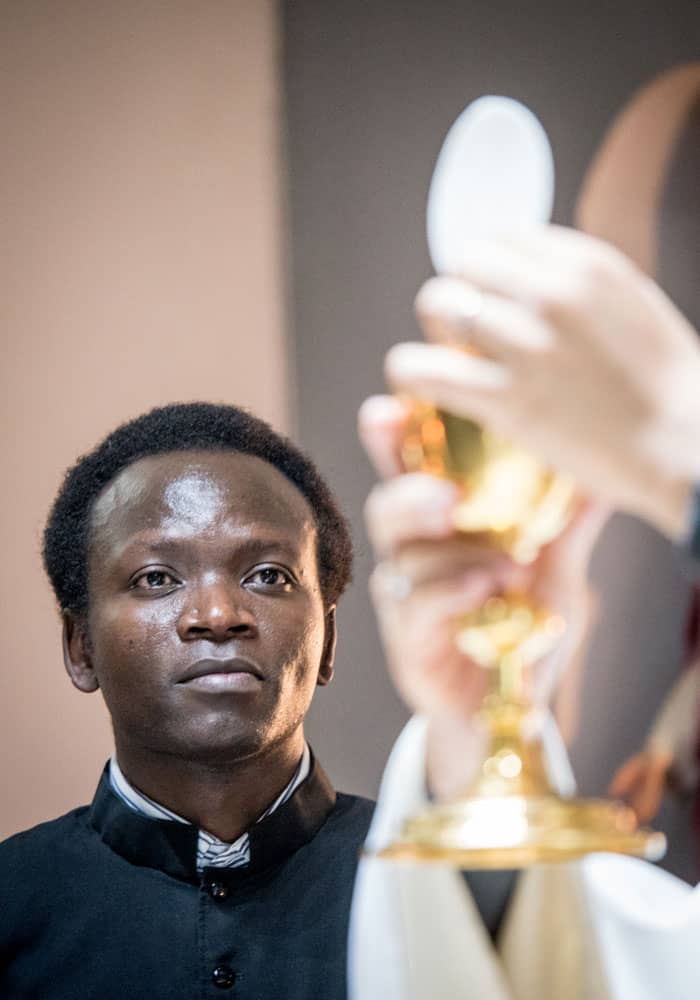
[627,776]
[648,799]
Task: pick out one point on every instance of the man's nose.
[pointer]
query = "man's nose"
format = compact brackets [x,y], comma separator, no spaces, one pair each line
[216,611]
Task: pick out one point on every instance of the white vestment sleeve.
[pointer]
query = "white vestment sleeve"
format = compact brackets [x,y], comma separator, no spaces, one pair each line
[415,933]
[605,928]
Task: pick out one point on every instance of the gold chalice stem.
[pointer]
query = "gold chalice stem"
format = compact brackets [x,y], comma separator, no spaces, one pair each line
[506,637]
[508,634]
[511,816]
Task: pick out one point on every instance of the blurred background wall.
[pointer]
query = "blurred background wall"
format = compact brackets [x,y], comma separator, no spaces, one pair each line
[147,260]
[142,264]
[371,90]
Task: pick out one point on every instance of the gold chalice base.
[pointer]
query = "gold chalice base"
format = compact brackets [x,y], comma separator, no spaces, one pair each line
[516,831]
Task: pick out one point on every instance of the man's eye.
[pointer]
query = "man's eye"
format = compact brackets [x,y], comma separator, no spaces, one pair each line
[154,579]
[271,576]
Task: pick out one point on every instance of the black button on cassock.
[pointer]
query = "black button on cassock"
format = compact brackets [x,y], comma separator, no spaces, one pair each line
[217,890]
[223,977]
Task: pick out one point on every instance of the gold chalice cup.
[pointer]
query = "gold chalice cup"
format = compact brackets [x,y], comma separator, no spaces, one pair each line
[510,816]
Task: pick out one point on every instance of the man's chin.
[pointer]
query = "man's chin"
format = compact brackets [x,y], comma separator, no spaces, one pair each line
[219,744]
[221,751]
[216,740]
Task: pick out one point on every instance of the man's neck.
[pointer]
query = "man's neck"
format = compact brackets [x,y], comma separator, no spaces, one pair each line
[225,799]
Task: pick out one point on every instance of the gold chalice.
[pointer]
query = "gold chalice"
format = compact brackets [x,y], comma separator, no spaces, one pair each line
[510,816]
[495,174]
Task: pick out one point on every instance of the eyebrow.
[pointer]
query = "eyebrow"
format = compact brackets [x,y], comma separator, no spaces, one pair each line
[242,545]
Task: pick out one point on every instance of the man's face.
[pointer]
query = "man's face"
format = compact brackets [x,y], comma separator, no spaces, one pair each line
[206,629]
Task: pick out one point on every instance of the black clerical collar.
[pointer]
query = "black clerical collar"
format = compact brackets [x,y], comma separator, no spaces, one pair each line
[172,847]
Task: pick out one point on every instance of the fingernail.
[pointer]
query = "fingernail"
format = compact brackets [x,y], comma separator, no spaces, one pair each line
[450,300]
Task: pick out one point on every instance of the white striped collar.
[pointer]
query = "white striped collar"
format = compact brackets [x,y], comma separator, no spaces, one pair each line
[211,852]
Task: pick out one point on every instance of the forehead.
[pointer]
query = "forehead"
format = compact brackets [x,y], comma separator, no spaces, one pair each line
[196,492]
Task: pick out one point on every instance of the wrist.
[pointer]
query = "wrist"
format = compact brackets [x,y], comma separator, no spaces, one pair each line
[664,502]
[455,745]
[673,514]
[672,472]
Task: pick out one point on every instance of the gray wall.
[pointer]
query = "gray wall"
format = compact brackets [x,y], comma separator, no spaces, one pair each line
[371,89]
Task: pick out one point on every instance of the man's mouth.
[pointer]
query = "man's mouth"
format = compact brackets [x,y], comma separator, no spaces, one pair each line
[222,675]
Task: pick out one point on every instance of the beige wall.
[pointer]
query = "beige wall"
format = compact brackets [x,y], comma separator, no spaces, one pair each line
[142,265]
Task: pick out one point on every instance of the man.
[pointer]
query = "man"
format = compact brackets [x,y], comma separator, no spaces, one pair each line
[197,558]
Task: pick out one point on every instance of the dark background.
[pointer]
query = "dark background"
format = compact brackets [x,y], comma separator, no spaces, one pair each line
[371,89]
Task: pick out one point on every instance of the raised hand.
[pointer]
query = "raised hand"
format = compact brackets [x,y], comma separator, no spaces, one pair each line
[428,574]
[582,359]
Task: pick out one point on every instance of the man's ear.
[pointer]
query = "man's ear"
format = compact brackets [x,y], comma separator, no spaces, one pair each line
[76,652]
[325,672]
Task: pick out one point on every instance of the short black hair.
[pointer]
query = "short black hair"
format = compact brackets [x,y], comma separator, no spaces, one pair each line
[184,427]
